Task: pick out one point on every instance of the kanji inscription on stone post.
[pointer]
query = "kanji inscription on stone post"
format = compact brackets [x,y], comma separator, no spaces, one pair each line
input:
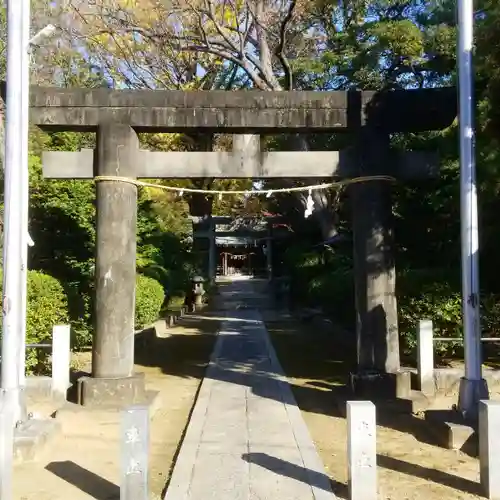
[134,453]
[362,450]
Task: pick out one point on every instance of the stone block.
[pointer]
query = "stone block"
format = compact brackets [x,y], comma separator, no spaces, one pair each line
[111,392]
[489,448]
[450,430]
[425,353]
[38,387]
[362,450]
[31,438]
[374,385]
[415,403]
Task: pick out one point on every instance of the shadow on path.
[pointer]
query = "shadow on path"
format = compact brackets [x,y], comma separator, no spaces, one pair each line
[436,476]
[317,480]
[287,469]
[86,481]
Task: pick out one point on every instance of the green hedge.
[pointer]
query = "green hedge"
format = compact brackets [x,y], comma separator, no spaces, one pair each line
[47,306]
[422,294]
[441,302]
[149,297]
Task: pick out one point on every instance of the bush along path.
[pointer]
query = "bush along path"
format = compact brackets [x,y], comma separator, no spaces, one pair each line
[47,305]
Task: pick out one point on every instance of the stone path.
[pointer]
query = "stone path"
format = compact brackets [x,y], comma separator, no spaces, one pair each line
[246,438]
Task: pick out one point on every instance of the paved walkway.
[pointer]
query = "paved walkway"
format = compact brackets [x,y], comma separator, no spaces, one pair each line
[246,439]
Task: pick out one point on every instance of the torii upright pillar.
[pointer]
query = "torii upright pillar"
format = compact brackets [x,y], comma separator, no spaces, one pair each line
[212,251]
[113,380]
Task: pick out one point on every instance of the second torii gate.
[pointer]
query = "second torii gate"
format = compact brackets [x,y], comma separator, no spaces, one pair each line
[210,232]
[117,115]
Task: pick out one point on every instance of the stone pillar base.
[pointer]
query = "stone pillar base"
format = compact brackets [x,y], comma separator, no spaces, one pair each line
[375,385]
[111,392]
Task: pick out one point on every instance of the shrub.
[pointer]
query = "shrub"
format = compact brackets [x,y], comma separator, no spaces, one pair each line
[47,306]
[149,297]
[440,300]
[325,280]
[335,295]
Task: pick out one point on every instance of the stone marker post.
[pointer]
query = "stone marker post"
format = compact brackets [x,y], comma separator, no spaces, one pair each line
[134,453]
[361,450]
[112,380]
[425,347]
[61,357]
[489,448]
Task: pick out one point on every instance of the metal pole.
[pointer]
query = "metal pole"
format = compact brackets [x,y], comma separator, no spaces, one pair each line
[472,386]
[25,190]
[24,139]
[11,301]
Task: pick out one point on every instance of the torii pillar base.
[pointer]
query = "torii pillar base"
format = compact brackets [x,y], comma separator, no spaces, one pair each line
[112,392]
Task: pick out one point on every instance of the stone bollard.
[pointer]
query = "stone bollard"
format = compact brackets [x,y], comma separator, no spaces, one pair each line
[61,359]
[361,450]
[134,453]
[489,445]
[170,321]
[403,385]
[425,347]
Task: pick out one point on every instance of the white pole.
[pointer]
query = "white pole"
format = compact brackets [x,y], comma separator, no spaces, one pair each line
[472,387]
[11,301]
[24,138]
[24,187]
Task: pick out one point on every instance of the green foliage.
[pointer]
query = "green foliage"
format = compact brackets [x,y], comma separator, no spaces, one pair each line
[437,298]
[62,223]
[148,301]
[421,294]
[322,279]
[426,295]
[46,306]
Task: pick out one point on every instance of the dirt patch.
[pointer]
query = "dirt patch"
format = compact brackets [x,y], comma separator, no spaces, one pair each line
[83,462]
[408,468]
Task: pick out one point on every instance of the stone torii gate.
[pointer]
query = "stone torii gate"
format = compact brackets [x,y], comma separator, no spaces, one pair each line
[117,115]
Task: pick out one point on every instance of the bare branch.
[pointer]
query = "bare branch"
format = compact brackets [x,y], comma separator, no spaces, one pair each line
[280,50]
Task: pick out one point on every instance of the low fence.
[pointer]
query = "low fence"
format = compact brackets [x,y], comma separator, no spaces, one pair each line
[60,346]
[425,354]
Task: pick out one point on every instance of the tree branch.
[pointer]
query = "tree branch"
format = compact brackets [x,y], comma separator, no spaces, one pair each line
[280,49]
